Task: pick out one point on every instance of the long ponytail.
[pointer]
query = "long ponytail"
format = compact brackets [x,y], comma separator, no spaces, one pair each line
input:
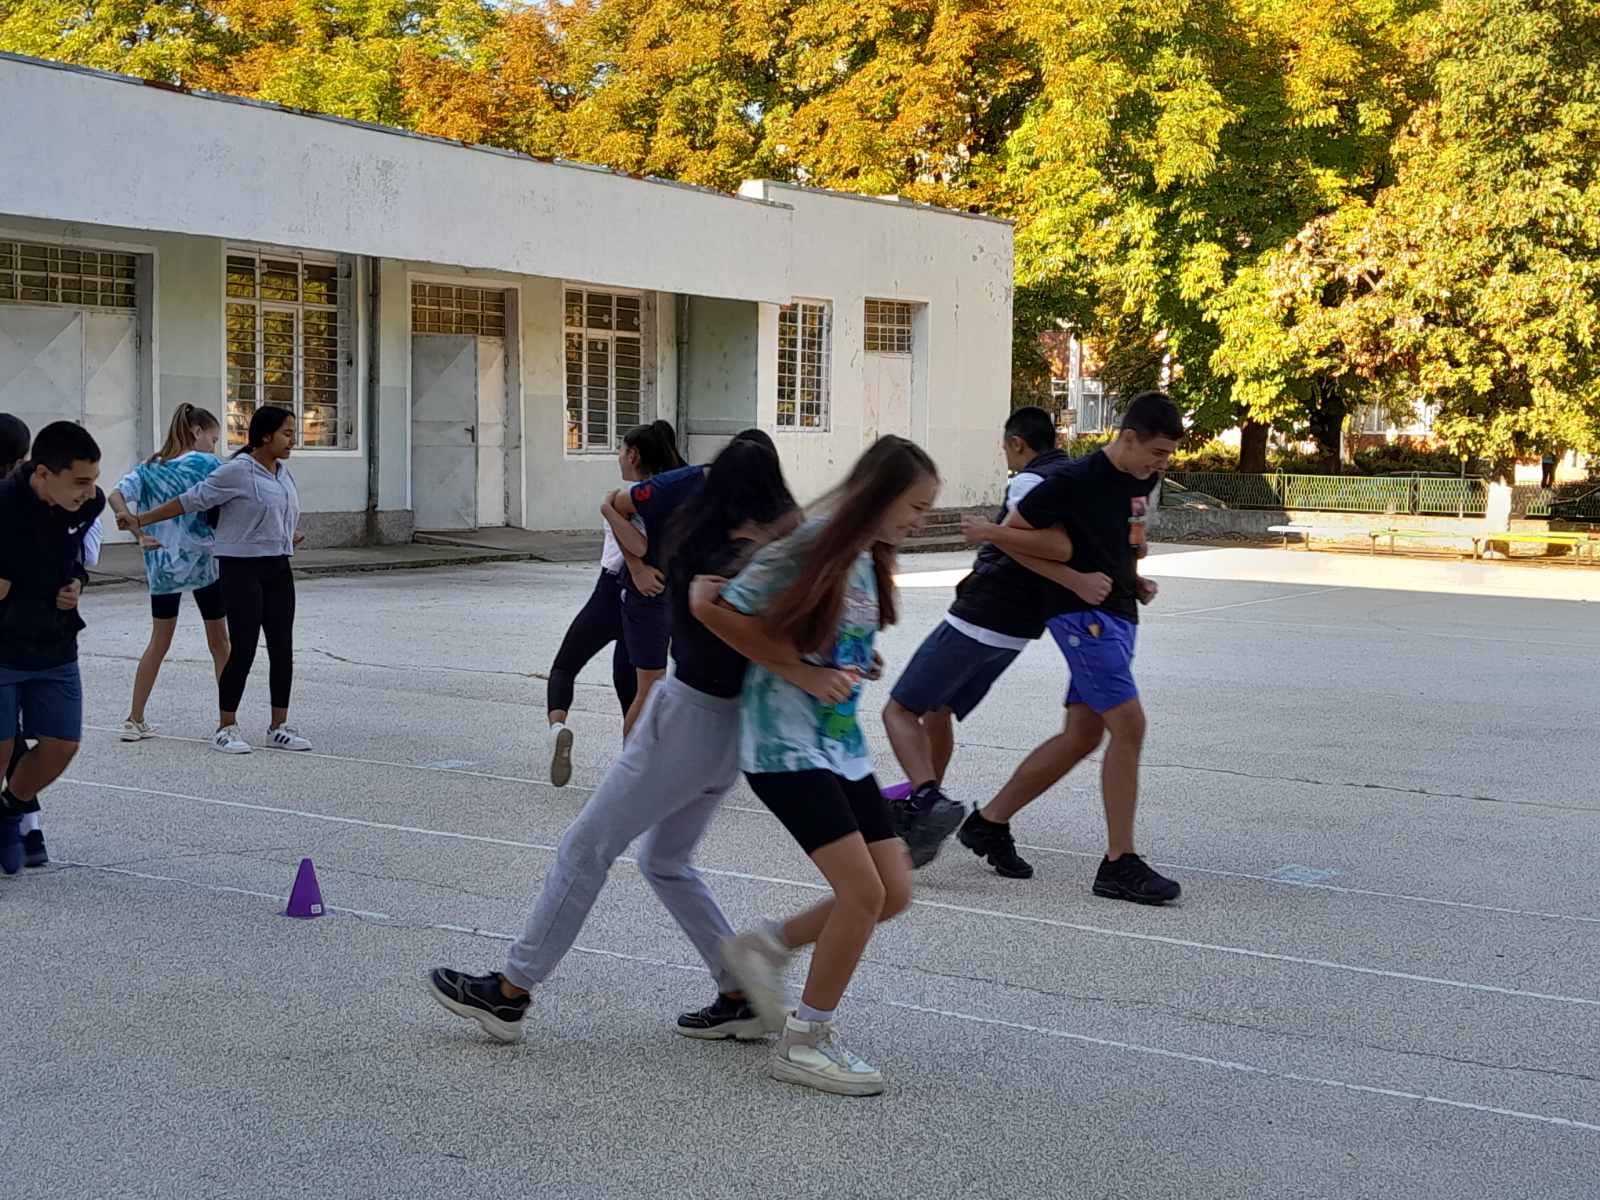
[187,420]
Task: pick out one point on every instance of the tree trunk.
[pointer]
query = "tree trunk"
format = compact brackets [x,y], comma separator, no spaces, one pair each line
[1253,448]
[1327,423]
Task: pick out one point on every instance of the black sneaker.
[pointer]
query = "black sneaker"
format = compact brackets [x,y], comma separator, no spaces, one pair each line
[992,840]
[924,820]
[33,851]
[478,998]
[1130,878]
[725,1017]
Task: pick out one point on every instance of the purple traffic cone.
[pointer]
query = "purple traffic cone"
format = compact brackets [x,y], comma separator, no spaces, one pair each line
[305,898]
[898,791]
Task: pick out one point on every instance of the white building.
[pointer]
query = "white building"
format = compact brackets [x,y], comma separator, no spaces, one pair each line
[465,333]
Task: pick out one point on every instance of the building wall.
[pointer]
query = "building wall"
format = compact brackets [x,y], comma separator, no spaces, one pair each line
[182,353]
[846,249]
[214,166]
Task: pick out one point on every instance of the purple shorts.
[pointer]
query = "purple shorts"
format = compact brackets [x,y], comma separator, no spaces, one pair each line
[1098,648]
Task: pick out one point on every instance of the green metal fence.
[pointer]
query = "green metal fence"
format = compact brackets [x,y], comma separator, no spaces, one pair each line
[1341,493]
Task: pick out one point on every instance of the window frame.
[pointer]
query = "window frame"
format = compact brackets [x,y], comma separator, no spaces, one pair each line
[346,336]
[586,334]
[495,295]
[55,278]
[903,332]
[824,368]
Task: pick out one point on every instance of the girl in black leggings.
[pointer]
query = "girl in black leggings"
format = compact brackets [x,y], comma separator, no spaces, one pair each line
[258,511]
[645,451]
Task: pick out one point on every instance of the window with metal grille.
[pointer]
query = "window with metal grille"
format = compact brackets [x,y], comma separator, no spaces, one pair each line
[605,367]
[31,273]
[804,333]
[443,308]
[888,327]
[287,338]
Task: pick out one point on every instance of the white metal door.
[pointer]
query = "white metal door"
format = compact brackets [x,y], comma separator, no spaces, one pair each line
[886,396]
[444,420]
[111,400]
[65,364]
[491,431]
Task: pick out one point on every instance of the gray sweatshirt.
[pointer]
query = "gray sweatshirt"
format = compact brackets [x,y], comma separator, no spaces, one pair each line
[260,510]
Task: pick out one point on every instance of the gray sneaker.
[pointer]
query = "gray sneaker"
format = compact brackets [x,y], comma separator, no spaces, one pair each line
[757,961]
[811,1055]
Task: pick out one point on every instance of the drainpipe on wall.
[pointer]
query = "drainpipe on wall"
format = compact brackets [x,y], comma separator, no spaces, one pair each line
[681,390]
[371,401]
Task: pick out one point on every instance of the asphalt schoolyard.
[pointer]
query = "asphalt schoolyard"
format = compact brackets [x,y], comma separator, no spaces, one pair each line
[1381,980]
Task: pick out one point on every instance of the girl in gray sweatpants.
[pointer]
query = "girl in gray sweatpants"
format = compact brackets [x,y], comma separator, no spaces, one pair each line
[681,759]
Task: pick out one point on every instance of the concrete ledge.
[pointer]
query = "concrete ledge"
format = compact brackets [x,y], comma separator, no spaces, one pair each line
[328,529]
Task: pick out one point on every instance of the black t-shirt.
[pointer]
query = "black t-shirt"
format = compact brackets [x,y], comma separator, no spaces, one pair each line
[1001,595]
[1103,511]
[41,549]
[703,660]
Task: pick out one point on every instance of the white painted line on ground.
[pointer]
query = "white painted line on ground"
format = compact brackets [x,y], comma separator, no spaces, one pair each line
[1245,1068]
[1161,614]
[763,812]
[1319,886]
[946,1013]
[943,906]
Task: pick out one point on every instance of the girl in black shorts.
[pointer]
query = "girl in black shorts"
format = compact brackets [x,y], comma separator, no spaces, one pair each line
[818,598]
[177,553]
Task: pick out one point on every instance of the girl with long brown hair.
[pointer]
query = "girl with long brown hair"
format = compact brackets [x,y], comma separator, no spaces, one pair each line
[177,552]
[818,599]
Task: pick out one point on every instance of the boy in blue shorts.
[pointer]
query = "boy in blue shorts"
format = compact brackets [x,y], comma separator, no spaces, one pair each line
[45,507]
[1102,501]
[999,608]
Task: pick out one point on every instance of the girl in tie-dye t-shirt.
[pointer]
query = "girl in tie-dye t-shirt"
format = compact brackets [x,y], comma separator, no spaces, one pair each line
[811,606]
[177,553]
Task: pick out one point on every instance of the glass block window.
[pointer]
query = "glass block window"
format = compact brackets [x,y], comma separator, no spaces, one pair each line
[888,327]
[287,337]
[67,276]
[443,308]
[804,334]
[604,354]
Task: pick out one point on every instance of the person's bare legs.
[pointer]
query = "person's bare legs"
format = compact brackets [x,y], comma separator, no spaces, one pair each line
[1119,775]
[40,767]
[217,642]
[871,884]
[941,727]
[155,652]
[909,737]
[647,680]
[1048,764]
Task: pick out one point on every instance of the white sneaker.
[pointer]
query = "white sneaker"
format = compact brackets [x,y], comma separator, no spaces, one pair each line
[561,757]
[137,731]
[228,740]
[810,1054]
[757,961]
[286,737]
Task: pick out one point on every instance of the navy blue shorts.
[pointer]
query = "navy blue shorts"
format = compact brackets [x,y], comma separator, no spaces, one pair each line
[1098,648]
[950,670]
[646,629]
[50,703]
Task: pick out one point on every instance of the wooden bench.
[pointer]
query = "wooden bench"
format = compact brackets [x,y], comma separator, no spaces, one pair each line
[1578,541]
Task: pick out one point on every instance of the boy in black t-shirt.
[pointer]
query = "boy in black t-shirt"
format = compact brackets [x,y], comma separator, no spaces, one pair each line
[45,508]
[999,608]
[1102,501]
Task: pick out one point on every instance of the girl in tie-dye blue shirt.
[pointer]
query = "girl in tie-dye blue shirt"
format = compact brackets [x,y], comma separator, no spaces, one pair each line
[184,562]
[785,728]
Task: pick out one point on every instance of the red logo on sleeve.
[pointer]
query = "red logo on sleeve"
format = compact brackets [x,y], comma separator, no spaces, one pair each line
[642,494]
